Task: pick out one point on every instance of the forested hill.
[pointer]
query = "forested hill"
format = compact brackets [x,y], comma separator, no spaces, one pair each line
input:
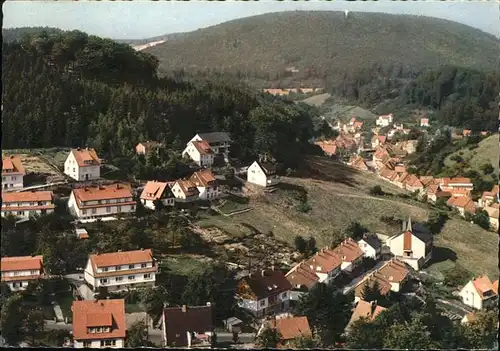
[16,34]
[320,42]
[76,90]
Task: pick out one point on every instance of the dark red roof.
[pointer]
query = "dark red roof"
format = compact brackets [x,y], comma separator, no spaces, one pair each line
[267,283]
[180,320]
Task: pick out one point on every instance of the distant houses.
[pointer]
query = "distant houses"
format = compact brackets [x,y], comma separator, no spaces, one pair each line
[83,165]
[385,120]
[146,147]
[12,173]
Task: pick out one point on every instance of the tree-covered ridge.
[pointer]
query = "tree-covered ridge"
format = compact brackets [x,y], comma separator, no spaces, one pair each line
[75,90]
[319,42]
[460,97]
[16,34]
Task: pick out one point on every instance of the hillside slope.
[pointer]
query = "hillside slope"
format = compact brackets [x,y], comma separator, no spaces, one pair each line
[486,152]
[320,39]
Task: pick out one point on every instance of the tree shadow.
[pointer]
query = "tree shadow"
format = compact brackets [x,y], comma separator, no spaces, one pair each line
[441,254]
[327,169]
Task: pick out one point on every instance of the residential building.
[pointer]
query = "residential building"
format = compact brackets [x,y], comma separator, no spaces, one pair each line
[350,253]
[12,173]
[392,276]
[18,272]
[99,324]
[424,122]
[206,184]
[357,125]
[493,213]
[413,247]
[185,191]
[157,191]
[121,270]
[400,181]
[455,183]
[466,132]
[380,157]
[145,147]
[29,203]
[82,165]
[378,140]
[302,278]
[200,152]
[290,328]
[81,233]
[106,200]
[413,184]
[371,246]
[263,174]
[220,142]
[480,292]
[489,197]
[385,120]
[434,192]
[358,163]
[188,326]
[369,310]
[408,146]
[328,146]
[264,292]
[469,317]
[463,204]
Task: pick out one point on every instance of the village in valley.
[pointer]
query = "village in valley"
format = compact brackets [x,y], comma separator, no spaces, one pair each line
[301,202]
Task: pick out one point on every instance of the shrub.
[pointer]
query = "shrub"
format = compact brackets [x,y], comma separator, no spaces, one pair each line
[455,276]
[377,191]
[304,207]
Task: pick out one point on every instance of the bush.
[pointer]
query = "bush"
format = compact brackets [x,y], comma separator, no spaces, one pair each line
[377,191]
[304,207]
[456,276]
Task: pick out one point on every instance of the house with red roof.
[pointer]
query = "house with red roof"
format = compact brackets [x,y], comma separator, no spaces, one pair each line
[185,190]
[385,120]
[480,292]
[200,152]
[463,204]
[358,163]
[219,143]
[27,203]
[489,197]
[290,328]
[369,310]
[264,292]
[157,191]
[18,272]
[378,140]
[12,173]
[458,182]
[83,164]
[424,122]
[412,184]
[350,254]
[104,200]
[493,212]
[206,184]
[99,324]
[146,147]
[121,270]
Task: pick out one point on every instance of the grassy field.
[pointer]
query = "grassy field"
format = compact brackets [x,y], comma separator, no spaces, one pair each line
[486,152]
[183,265]
[346,112]
[317,100]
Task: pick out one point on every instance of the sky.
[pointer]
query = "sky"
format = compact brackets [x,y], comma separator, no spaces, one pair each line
[142,19]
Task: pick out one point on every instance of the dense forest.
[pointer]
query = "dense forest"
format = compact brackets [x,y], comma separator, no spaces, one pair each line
[460,97]
[72,89]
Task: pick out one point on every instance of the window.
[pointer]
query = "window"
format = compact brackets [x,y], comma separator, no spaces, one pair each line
[283,295]
[14,178]
[94,210]
[117,268]
[262,303]
[131,266]
[119,279]
[84,211]
[17,273]
[108,209]
[73,170]
[19,213]
[147,276]
[143,265]
[105,269]
[103,281]
[132,208]
[119,208]
[87,343]
[131,277]
[33,272]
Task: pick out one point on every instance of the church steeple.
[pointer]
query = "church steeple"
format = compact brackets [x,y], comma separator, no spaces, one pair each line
[408,226]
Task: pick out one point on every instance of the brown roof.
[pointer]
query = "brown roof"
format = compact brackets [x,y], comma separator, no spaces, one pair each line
[292,327]
[329,147]
[121,258]
[108,192]
[426,180]
[407,241]
[381,153]
[462,202]
[27,196]
[180,320]
[394,271]
[413,181]
[94,313]
[155,190]
[348,250]
[493,193]
[492,211]
[366,310]
[324,261]
[203,147]
[302,276]
[267,283]
[383,284]
[86,157]
[359,163]
[21,263]
[13,165]
[495,286]
[187,187]
[203,178]
[484,287]
[457,180]
[149,144]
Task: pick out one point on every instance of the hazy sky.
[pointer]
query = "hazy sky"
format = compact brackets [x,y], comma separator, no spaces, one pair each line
[143,19]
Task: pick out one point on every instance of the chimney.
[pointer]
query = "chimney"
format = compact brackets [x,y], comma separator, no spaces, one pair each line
[263,273]
[117,186]
[78,149]
[272,268]
[209,304]
[184,308]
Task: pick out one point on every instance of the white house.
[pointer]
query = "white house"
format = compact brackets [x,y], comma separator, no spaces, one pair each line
[26,204]
[154,191]
[220,142]
[12,173]
[424,122]
[200,152]
[479,292]
[99,324]
[121,270]
[371,246]
[82,164]
[412,247]
[184,190]
[18,272]
[206,184]
[265,292]
[385,120]
[493,213]
[263,174]
[464,183]
[90,202]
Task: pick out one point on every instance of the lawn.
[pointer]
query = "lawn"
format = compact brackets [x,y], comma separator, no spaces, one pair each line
[233,204]
[183,265]
[133,308]
[475,249]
